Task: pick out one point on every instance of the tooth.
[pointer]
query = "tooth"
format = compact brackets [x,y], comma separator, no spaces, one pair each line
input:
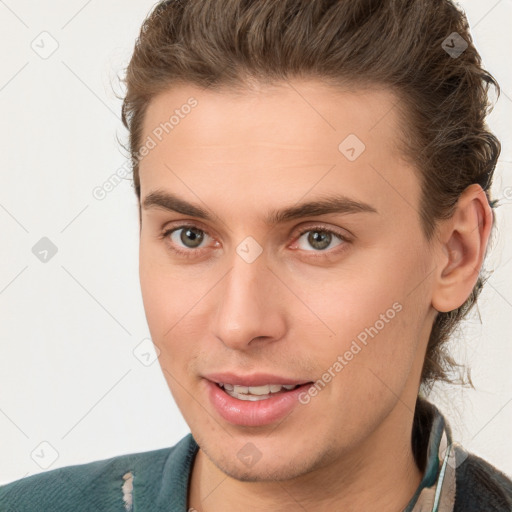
[259,390]
[246,392]
[242,396]
[253,398]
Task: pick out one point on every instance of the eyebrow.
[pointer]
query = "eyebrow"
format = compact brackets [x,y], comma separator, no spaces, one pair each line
[331,204]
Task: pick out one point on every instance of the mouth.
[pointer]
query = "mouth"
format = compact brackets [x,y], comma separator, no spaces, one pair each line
[253,401]
[256,393]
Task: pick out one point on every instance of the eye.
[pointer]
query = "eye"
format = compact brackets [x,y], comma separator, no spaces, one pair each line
[320,239]
[190,237]
[189,240]
[185,240]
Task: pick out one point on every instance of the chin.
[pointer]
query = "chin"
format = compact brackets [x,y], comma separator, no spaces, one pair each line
[280,467]
[275,472]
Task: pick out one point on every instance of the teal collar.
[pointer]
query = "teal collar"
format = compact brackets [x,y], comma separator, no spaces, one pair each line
[436,491]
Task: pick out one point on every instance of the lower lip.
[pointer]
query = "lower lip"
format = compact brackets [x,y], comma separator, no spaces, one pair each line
[254,414]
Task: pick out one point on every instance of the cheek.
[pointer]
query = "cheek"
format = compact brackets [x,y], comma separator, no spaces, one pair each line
[352,296]
[162,296]
[172,302]
[165,294]
[374,309]
[165,306]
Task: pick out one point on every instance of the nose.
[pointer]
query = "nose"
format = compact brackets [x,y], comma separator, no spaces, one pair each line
[250,310]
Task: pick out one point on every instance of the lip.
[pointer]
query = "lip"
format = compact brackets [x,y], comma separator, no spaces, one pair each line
[256,379]
[254,413]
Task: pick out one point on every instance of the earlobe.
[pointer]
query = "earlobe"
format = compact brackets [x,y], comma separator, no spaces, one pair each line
[464,239]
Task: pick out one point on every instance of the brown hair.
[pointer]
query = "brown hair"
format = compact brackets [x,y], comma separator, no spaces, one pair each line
[410,46]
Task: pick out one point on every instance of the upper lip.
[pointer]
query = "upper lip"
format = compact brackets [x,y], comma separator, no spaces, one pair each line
[255,379]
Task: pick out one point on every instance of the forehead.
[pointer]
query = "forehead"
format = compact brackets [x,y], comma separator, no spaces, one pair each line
[293,137]
[297,113]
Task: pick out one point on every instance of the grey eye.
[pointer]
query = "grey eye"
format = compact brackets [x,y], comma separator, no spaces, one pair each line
[190,237]
[319,239]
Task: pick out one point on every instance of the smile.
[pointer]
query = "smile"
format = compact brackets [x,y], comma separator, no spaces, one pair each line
[251,402]
[255,393]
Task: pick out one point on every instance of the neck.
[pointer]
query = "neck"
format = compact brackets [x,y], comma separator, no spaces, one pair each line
[381,474]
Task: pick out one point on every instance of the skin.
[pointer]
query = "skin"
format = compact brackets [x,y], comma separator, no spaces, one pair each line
[296,308]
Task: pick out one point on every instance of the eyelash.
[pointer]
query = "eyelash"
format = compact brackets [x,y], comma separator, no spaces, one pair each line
[191,253]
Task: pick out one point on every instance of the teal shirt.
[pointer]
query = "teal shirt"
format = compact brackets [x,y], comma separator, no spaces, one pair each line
[157,480]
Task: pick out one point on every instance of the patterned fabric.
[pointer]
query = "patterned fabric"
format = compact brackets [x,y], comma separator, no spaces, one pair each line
[436,492]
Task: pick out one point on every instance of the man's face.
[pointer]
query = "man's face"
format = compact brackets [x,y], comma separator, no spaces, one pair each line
[248,297]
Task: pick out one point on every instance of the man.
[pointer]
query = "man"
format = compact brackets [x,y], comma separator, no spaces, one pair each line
[313,180]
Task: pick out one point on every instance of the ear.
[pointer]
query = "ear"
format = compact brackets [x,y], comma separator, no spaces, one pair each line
[462,246]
